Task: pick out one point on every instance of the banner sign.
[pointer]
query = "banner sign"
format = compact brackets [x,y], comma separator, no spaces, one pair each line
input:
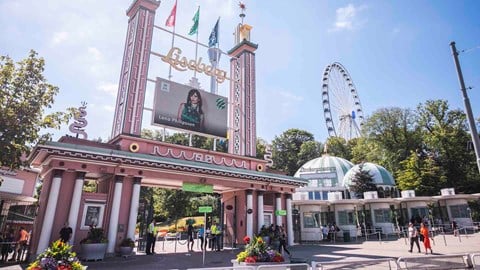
[193,187]
[205,209]
[183,107]
[280,212]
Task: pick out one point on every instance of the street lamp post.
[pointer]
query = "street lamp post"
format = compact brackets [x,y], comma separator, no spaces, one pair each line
[468,108]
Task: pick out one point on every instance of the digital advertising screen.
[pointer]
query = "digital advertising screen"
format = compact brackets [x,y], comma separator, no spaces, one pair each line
[183,107]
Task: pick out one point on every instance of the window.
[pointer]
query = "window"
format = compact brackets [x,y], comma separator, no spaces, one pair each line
[459,211]
[382,215]
[346,218]
[313,219]
[327,182]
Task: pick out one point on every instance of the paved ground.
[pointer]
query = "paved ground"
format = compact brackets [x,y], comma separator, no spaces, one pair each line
[167,258]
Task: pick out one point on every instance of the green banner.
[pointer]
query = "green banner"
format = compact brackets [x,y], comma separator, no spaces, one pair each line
[193,187]
[205,209]
[280,212]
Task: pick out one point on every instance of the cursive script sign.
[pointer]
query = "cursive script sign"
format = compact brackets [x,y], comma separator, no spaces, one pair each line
[182,63]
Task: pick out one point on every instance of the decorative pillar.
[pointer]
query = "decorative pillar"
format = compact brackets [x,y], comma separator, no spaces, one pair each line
[278,206]
[288,203]
[113,226]
[50,210]
[133,75]
[249,213]
[242,135]
[261,218]
[132,219]
[75,206]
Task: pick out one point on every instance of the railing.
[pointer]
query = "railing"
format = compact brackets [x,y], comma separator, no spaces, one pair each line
[475,260]
[438,262]
[387,263]
[225,268]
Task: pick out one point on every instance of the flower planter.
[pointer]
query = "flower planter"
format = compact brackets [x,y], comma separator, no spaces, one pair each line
[93,251]
[125,251]
[270,264]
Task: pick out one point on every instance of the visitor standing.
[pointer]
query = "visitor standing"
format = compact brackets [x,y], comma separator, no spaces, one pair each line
[66,233]
[413,235]
[190,232]
[22,240]
[201,235]
[426,238]
[150,237]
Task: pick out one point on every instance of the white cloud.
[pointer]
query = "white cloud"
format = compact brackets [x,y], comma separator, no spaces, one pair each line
[109,88]
[109,108]
[346,18]
[59,37]
[95,53]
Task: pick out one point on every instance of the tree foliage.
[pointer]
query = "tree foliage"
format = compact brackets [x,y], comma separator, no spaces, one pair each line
[25,94]
[286,148]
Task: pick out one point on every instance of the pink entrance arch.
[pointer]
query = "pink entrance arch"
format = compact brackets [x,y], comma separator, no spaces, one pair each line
[126,162]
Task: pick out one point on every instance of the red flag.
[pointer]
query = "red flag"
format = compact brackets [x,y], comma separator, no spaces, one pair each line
[171,19]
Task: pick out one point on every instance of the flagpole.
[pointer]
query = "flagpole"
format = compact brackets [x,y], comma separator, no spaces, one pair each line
[173,38]
[196,45]
[173,42]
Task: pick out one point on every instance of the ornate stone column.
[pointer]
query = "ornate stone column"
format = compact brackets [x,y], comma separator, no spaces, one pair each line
[260,213]
[132,218]
[75,206]
[113,226]
[249,215]
[288,203]
[278,206]
[51,208]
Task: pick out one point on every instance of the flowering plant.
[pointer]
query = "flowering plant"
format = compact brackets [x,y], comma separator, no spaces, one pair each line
[57,257]
[256,250]
[95,236]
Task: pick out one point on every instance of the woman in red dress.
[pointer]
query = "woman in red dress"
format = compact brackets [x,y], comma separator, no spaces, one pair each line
[426,238]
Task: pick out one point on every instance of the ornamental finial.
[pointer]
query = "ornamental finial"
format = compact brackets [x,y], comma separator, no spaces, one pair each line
[242,7]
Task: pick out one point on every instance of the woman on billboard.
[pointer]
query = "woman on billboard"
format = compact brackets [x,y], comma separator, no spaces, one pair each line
[191,113]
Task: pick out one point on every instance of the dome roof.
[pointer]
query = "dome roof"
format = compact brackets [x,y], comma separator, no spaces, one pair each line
[380,175]
[324,166]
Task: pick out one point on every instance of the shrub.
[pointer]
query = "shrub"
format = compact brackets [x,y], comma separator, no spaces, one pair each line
[127,242]
[94,236]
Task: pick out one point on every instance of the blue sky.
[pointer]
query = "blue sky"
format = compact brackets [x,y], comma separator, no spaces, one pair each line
[397,52]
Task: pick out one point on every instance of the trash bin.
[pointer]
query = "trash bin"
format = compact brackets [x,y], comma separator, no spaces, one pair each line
[346,236]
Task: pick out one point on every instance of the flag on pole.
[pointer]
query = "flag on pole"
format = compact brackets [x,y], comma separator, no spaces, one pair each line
[213,39]
[195,19]
[173,14]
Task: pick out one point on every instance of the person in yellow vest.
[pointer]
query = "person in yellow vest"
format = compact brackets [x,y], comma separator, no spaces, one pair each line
[154,240]
[217,233]
[150,238]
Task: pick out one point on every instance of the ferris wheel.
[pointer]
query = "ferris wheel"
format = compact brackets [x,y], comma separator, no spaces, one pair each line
[341,104]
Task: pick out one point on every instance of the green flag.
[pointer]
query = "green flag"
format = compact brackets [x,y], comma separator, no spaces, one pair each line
[195,19]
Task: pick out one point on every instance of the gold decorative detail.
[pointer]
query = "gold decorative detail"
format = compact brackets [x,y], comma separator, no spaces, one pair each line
[260,167]
[134,147]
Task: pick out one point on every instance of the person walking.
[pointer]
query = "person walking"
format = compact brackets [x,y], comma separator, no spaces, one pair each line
[426,239]
[283,241]
[413,235]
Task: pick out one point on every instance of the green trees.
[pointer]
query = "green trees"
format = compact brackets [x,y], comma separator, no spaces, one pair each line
[25,94]
[287,152]
[362,182]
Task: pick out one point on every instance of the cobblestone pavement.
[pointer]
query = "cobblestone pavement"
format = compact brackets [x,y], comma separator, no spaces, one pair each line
[169,257]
